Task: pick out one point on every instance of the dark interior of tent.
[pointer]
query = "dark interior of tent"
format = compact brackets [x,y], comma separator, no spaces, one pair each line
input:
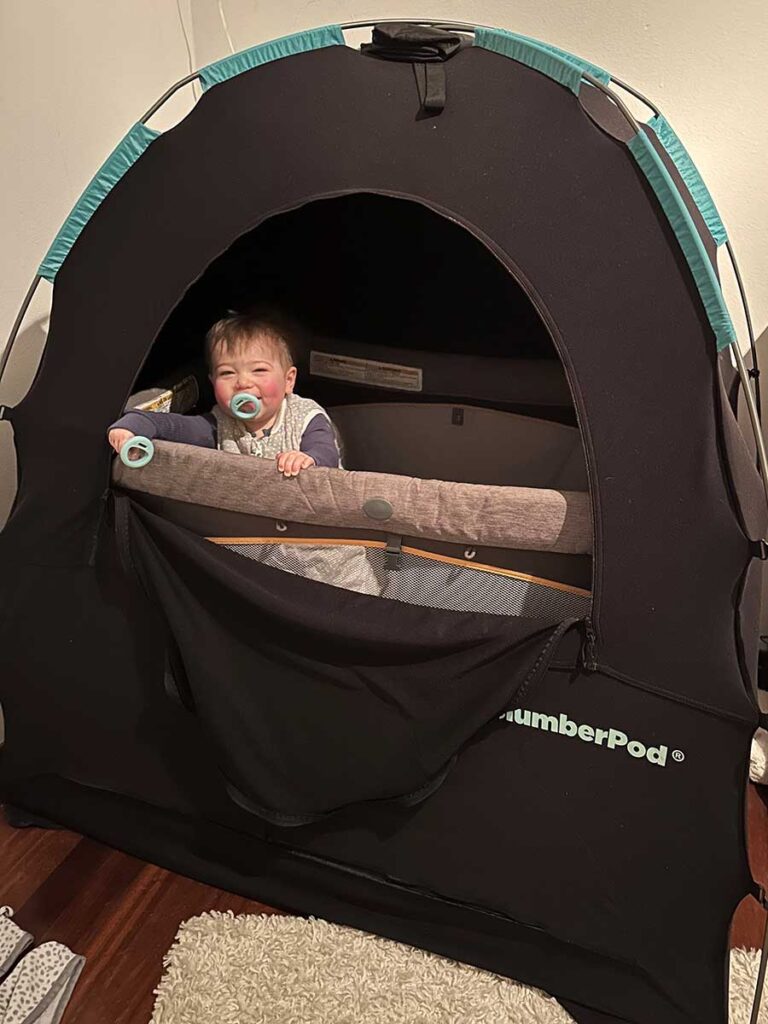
[430,358]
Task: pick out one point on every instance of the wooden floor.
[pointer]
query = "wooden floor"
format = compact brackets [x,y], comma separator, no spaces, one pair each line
[119,912]
[122,914]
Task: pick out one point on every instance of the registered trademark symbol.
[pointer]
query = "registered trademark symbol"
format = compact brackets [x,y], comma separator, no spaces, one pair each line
[678,755]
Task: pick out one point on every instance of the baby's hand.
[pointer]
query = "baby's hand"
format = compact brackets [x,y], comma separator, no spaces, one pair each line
[117,438]
[292,463]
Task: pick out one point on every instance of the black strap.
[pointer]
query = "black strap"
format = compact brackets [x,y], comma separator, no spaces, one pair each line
[393,553]
[273,817]
[5,412]
[426,48]
[430,81]
[122,535]
[283,820]
[760,549]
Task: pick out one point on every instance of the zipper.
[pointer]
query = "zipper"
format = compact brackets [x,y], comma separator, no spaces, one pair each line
[589,647]
[538,304]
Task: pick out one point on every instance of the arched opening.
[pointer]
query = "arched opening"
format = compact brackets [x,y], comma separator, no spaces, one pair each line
[428,355]
[377,282]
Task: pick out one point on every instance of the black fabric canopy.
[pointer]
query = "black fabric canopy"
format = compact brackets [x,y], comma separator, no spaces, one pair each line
[591,871]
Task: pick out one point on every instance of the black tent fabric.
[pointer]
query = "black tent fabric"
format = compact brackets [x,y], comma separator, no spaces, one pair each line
[334,700]
[606,873]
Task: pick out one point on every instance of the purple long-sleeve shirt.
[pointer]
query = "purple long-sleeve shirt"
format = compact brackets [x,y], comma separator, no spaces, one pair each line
[317,441]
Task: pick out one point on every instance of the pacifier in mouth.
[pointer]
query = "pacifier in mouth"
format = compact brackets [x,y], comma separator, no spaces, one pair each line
[245,406]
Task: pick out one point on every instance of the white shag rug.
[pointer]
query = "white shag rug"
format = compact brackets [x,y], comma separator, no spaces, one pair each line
[272,969]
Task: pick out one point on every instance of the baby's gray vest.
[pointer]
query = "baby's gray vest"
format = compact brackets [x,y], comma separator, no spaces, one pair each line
[295,415]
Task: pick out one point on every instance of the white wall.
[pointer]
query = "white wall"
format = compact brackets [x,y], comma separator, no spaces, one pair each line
[76,74]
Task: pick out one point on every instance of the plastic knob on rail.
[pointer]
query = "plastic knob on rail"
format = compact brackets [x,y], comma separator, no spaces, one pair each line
[139,444]
[239,405]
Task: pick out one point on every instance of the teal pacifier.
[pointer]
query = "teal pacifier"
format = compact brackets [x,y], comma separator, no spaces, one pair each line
[137,444]
[242,399]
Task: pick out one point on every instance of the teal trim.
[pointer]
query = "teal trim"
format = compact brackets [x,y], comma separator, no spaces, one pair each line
[111,171]
[562,70]
[287,46]
[690,241]
[691,177]
[597,72]
[557,64]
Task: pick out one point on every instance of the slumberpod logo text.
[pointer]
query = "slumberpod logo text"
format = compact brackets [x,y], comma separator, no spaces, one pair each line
[612,739]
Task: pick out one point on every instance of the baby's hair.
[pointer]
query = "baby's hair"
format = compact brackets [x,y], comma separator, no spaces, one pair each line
[237,329]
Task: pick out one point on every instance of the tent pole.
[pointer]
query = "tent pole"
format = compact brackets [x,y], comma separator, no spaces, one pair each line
[637,95]
[17,324]
[459,26]
[755,370]
[167,95]
[5,356]
[744,374]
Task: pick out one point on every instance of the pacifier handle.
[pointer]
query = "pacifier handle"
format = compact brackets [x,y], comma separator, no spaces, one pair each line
[243,398]
[138,443]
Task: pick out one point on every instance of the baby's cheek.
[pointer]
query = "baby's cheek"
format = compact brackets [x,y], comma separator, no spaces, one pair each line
[272,389]
[222,392]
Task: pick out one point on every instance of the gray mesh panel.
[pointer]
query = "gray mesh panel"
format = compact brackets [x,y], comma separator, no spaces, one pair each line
[417,580]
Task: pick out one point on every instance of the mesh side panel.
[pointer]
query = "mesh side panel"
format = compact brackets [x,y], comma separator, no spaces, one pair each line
[417,580]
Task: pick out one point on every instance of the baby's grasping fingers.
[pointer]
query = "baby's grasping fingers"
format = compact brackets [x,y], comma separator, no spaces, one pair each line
[292,463]
[117,438]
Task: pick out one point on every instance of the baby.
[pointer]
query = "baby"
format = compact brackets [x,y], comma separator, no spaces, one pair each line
[247,352]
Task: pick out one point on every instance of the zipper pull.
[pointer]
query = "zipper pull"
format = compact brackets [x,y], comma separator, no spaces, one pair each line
[589,648]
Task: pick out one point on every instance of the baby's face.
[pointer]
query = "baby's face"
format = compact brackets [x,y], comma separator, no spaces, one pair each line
[254,367]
